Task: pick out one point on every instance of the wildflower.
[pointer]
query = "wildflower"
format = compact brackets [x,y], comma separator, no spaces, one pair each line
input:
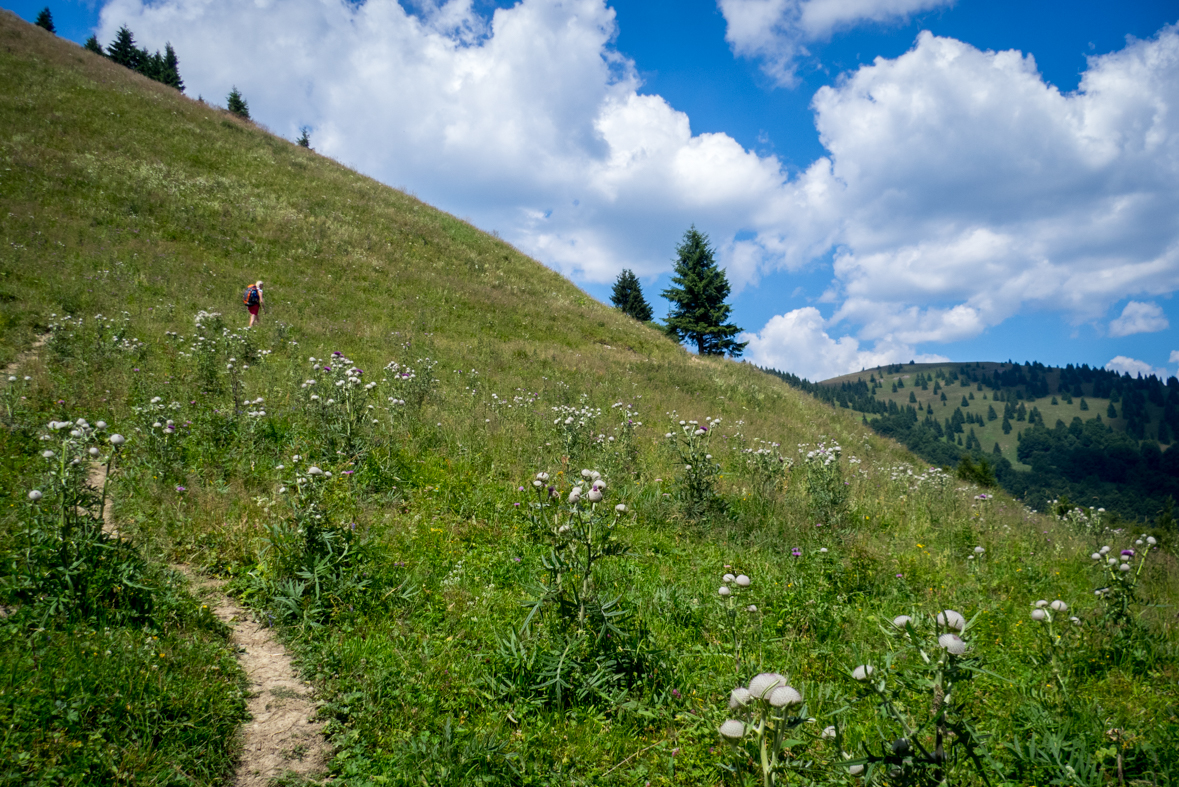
[1151,540]
[313,470]
[742,581]
[724,591]
[828,732]
[1075,620]
[900,621]
[35,495]
[952,643]
[542,477]
[733,730]
[594,495]
[751,608]
[181,489]
[1039,615]
[979,550]
[1105,550]
[855,770]
[620,508]
[586,474]
[100,425]
[1096,556]
[1059,606]
[1124,567]
[951,620]
[1138,543]
[761,685]
[1041,604]
[48,454]
[575,495]
[538,484]
[739,698]
[1127,553]
[784,696]
[117,440]
[728,578]
[796,552]
[863,672]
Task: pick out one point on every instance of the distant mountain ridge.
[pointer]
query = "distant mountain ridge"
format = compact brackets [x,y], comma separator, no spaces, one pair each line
[1093,436]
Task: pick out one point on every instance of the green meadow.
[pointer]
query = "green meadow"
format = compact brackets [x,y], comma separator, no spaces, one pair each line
[512,536]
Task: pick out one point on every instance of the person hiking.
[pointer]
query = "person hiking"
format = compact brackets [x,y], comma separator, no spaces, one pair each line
[253,301]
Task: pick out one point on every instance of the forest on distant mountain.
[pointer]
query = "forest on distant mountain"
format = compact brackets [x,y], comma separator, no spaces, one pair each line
[1089,436]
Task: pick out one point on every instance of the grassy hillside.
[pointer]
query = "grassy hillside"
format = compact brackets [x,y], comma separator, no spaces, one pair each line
[363,467]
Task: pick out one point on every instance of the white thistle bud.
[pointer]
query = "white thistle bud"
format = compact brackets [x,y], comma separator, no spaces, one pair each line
[117,439]
[863,672]
[1059,606]
[594,496]
[1039,615]
[761,685]
[724,592]
[1096,556]
[313,470]
[900,621]
[100,425]
[1138,542]
[1124,567]
[1151,540]
[728,578]
[587,474]
[742,581]
[733,730]
[751,608]
[620,508]
[48,454]
[828,732]
[1041,604]
[538,484]
[784,696]
[979,550]
[951,620]
[739,698]
[855,770]
[952,643]
[93,451]
[1105,550]
[35,495]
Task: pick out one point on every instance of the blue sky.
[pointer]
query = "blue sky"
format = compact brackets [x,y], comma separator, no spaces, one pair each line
[883,179]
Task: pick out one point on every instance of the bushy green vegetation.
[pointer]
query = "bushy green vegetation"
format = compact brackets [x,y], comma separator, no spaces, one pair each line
[513,535]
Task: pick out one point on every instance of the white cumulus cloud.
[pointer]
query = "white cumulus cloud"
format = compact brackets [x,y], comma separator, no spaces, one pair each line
[798,342]
[778,31]
[1139,317]
[1135,367]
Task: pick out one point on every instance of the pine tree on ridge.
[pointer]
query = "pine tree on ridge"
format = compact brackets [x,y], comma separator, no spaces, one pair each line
[628,296]
[698,310]
[45,20]
[236,104]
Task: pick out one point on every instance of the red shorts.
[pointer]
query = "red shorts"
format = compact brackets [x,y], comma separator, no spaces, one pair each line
[254,309]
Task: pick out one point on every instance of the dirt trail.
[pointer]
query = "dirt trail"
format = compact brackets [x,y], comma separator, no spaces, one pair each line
[27,355]
[281,740]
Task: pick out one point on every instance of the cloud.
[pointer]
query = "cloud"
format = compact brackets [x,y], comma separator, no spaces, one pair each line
[1174,356]
[1134,367]
[1139,318]
[778,31]
[798,342]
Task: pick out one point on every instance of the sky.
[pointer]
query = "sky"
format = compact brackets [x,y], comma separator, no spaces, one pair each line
[882,180]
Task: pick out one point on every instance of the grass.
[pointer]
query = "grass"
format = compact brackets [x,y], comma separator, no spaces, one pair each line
[402,600]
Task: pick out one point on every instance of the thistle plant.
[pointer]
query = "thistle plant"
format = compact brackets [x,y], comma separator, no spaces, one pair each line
[574,428]
[766,468]
[580,533]
[691,441]
[926,667]
[824,481]
[1121,573]
[341,404]
[764,714]
[1045,614]
[734,598]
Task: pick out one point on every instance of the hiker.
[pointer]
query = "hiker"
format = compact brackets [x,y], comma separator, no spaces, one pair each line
[253,301]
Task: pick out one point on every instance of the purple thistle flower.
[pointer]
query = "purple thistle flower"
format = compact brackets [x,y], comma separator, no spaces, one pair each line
[327,368]
[1127,553]
[796,552]
[181,489]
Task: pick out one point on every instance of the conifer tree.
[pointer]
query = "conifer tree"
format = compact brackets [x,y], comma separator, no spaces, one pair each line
[237,104]
[698,312]
[45,20]
[628,296]
[93,45]
[123,50]
[170,73]
[304,140]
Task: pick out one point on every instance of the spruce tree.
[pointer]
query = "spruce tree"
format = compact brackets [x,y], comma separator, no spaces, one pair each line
[304,140]
[628,296]
[123,50]
[698,311]
[45,20]
[170,74]
[93,45]
[237,104]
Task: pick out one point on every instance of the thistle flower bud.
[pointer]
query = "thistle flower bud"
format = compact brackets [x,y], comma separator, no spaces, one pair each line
[1059,606]
[761,685]
[117,440]
[1096,556]
[1138,542]
[751,608]
[586,474]
[594,474]
[900,621]
[855,770]
[1113,561]
[542,477]
[784,696]
[733,730]
[863,672]
[48,454]
[594,496]
[1151,540]
[742,581]
[598,484]
[1041,604]
[1104,550]
[979,550]
[952,643]
[828,732]
[313,470]
[724,591]
[1075,620]
[728,578]
[538,484]
[156,425]
[1124,567]
[620,508]
[35,495]
[575,496]
[739,698]
[93,451]
[951,620]
[1039,615]
[100,425]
